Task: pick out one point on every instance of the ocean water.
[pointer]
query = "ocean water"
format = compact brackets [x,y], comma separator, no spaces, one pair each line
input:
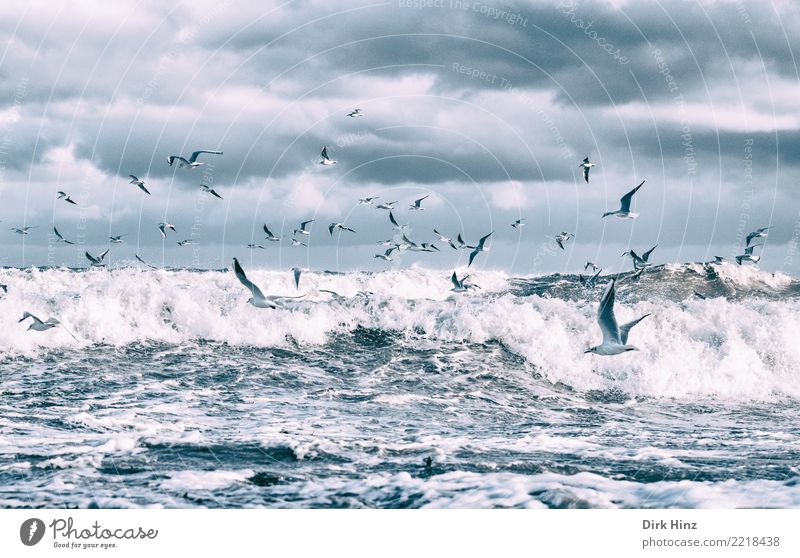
[177,393]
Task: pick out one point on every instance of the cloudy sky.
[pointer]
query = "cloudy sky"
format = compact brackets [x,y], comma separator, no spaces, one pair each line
[486,106]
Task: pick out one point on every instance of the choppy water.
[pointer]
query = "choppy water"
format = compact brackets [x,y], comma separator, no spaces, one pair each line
[179,394]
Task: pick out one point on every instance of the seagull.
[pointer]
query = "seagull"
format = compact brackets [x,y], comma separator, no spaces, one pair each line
[163,226]
[624,211]
[387,242]
[615,337]
[586,166]
[479,248]
[341,227]
[325,159]
[386,205]
[589,282]
[96,260]
[302,229]
[258,299]
[428,247]
[210,190]
[60,238]
[117,239]
[296,242]
[23,230]
[256,246]
[701,296]
[192,162]
[445,239]
[417,205]
[758,233]
[355,113]
[336,296]
[640,262]
[562,237]
[587,265]
[66,198]
[187,241]
[367,201]
[271,237]
[39,325]
[138,257]
[718,260]
[386,256]
[297,271]
[395,225]
[139,183]
[518,224]
[461,244]
[460,286]
[748,255]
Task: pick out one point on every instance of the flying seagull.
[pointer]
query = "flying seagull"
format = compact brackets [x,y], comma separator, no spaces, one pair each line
[640,262]
[255,246]
[586,166]
[258,299]
[445,239]
[461,285]
[296,242]
[325,159]
[518,224]
[589,282]
[748,255]
[386,205]
[624,211]
[39,325]
[163,226]
[296,271]
[587,265]
[386,256]
[718,260]
[479,248]
[139,183]
[367,201]
[615,337]
[209,190]
[271,237]
[562,237]
[192,162]
[23,230]
[302,229]
[66,198]
[60,238]
[395,225]
[417,205]
[187,241]
[758,233]
[116,239]
[355,113]
[341,227]
[98,260]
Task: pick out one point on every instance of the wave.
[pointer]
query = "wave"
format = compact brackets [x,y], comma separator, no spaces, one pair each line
[738,343]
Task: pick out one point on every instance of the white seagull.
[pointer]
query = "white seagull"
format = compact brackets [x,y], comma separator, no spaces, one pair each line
[461,285]
[117,239]
[518,224]
[586,166]
[615,337]
[192,162]
[252,246]
[163,226]
[562,237]
[587,265]
[333,226]
[479,248]
[187,241]
[39,325]
[258,299]
[367,201]
[23,230]
[139,183]
[98,260]
[209,190]
[325,159]
[624,211]
[296,242]
[395,225]
[758,233]
[138,257]
[386,205]
[589,282]
[60,238]
[355,113]
[640,262]
[66,198]
[748,255]
[386,256]
[271,237]
[417,205]
[302,229]
[445,239]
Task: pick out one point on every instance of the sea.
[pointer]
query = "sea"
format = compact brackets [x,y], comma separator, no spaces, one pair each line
[397,392]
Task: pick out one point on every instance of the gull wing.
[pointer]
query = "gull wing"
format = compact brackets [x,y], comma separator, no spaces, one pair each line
[482,240]
[454,280]
[297,277]
[625,201]
[646,255]
[606,318]
[196,154]
[392,220]
[472,256]
[103,255]
[324,153]
[331,227]
[625,329]
[586,173]
[304,223]
[237,269]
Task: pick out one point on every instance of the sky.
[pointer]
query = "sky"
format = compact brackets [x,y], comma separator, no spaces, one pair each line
[486,107]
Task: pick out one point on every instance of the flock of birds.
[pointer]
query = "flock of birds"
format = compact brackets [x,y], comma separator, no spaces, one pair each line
[615,337]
